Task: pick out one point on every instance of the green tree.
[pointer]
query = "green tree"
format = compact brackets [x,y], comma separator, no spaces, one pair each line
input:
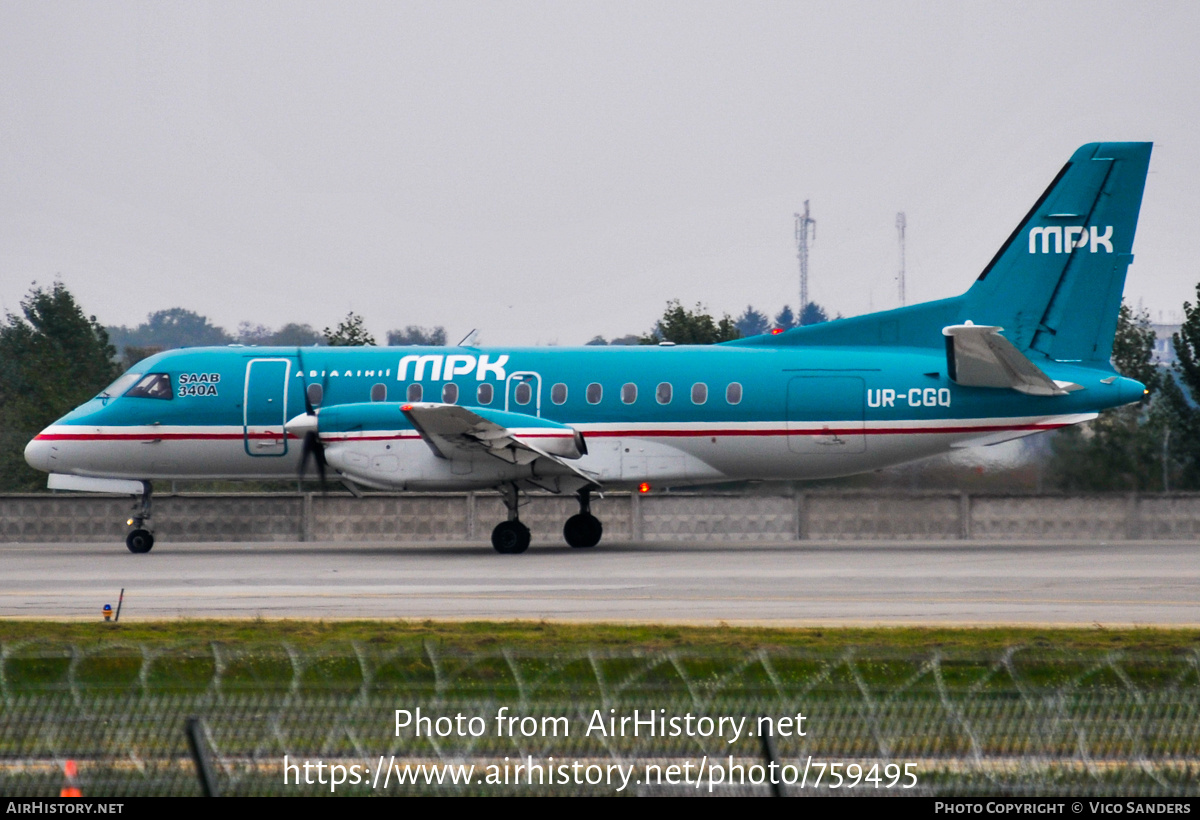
[416,335]
[691,327]
[171,328]
[752,322]
[52,358]
[350,333]
[290,335]
[813,314]
[785,319]
[1122,449]
[1181,392]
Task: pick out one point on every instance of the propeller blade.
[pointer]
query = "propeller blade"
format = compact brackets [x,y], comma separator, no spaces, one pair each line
[312,445]
[313,448]
[308,408]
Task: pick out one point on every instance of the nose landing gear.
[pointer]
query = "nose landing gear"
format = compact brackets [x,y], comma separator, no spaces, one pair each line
[584,529]
[141,539]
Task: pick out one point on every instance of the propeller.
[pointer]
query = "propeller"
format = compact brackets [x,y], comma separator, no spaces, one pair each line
[311,445]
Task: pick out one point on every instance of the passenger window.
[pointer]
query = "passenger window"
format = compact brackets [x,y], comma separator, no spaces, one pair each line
[699,393]
[663,393]
[558,393]
[523,393]
[629,393]
[594,393]
[450,393]
[484,393]
[378,392]
[733,393]
[414,392]
[315,393]
[152,386]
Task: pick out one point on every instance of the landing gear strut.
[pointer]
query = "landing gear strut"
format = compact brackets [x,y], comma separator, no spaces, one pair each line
[140,539]
[584,529]
[510,537]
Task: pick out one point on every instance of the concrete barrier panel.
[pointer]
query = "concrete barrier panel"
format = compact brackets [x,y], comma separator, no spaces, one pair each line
[85,519]
[891,517]
[1048,517]
[1167,517]
[232,517]
[390,518]
[718,518]
[695,517]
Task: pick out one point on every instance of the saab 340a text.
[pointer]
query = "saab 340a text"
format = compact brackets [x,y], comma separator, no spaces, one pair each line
[1027,348]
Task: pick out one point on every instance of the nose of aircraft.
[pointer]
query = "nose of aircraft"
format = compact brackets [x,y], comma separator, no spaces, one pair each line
[39,454]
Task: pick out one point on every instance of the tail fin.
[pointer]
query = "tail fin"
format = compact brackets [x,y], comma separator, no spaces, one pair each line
[1054,286]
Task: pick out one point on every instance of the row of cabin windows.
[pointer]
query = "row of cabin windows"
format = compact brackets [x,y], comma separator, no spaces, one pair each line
[523,393]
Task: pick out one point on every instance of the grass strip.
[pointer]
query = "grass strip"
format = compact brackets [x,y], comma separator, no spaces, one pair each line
[551,637]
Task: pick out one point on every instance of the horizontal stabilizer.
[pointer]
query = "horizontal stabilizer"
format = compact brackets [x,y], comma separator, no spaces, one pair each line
[978,356]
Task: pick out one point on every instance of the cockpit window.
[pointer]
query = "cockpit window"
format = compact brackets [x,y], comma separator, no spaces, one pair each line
[152,386]
[119,386]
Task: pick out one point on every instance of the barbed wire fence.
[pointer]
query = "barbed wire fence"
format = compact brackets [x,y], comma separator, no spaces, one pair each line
[1019,723]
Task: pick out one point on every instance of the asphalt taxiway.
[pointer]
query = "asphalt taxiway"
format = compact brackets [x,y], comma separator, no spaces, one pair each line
[887,583]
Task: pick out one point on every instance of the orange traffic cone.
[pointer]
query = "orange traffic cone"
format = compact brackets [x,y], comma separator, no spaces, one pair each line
[70,787]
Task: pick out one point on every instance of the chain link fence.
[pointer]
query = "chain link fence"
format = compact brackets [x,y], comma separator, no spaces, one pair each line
[1019,723]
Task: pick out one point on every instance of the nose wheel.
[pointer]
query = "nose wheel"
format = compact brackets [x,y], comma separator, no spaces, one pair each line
[140,539]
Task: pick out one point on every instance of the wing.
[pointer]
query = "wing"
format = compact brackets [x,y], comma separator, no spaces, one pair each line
[452,431]
[978,356]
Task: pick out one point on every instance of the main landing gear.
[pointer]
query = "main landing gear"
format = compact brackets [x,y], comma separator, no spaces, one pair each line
[584,529]
[510,537]
[140,539]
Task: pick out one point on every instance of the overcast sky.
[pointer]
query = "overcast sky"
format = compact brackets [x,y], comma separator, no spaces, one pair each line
[549,171]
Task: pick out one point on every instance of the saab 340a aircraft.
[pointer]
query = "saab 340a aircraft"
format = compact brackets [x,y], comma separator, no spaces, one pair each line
[1027,348]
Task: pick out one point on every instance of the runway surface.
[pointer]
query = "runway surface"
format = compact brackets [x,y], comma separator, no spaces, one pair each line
[888,583]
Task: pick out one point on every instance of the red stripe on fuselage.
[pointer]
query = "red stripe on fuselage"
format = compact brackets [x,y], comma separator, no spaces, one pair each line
[843,431]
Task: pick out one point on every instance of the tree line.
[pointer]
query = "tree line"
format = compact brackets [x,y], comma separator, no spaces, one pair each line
[179,327]
[54,356]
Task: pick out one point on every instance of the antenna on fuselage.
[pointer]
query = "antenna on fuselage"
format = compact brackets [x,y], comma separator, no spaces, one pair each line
[901,223]
[470,338]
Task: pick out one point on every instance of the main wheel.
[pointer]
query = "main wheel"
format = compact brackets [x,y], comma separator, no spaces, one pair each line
[139,541]
[510,538]
[583,530]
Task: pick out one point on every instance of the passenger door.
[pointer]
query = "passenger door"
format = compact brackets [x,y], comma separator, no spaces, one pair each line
[265,407]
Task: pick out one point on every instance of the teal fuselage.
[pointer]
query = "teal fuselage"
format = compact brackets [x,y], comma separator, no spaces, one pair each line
[793,412]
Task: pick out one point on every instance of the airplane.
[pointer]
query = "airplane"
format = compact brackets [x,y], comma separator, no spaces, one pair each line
[1025,349]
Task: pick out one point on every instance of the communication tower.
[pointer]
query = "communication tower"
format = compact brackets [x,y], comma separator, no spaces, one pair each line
[900,225]
[806,227]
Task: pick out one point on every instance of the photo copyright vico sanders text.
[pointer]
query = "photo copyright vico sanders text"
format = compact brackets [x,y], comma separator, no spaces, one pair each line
[704,772]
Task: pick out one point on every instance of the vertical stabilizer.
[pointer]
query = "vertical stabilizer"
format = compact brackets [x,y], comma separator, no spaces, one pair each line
[1055,285]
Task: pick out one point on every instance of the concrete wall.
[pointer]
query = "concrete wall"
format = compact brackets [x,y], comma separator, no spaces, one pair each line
[708,517]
